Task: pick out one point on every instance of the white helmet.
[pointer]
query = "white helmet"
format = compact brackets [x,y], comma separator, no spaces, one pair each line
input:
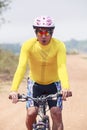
[44,21]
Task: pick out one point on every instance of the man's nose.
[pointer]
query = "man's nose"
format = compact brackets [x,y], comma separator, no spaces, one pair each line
[43,36]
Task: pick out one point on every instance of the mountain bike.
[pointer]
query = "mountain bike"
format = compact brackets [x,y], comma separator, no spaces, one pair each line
[43,122]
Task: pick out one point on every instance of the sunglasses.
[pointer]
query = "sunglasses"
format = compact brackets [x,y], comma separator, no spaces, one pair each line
[41,33]
[45,32]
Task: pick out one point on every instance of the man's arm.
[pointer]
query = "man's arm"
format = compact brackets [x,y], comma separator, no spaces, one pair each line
[19,74]
[62,69]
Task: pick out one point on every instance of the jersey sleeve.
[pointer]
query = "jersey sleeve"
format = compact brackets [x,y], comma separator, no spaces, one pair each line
[62,69]
[21,69]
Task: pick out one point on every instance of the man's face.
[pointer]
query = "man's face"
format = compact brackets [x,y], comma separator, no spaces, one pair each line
[44,35]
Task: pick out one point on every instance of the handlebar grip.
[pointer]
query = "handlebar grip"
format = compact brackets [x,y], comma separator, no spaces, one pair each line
[69,94]
[19,96]
[59,95]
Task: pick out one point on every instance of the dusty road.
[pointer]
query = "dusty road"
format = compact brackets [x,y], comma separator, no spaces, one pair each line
[12,117]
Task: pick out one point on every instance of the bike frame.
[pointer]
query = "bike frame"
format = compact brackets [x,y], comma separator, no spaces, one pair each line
[43,121]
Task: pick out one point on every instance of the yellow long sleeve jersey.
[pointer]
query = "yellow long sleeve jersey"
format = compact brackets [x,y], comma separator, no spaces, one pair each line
[47,63]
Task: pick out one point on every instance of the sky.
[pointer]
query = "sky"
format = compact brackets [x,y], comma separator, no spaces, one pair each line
[70,17]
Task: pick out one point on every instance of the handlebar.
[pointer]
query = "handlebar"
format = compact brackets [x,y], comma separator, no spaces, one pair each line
[42,98]
[23,97]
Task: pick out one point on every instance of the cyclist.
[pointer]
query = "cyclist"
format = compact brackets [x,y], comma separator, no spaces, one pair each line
[46,58]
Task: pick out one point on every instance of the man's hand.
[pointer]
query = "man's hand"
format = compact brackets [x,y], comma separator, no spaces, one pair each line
[14,97]
[65,94]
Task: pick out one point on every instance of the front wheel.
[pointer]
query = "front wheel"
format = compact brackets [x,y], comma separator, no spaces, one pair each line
[43,125]
[39,126]
[47,122]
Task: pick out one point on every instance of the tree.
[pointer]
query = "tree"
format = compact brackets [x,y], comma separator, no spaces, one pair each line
[4,4]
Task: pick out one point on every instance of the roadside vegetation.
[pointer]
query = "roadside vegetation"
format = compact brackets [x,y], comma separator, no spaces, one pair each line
[8,64]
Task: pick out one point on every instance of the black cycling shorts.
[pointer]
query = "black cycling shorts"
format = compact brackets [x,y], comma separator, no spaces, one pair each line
[37,90]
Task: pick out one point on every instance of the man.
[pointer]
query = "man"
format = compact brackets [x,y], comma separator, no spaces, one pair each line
[46,58]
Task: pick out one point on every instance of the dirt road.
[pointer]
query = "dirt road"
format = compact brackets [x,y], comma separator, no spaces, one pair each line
[12,117]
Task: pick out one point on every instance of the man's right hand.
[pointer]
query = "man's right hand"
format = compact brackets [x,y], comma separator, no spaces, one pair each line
[14,97]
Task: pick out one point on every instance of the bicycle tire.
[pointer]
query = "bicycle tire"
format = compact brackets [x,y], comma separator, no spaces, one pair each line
[42,129]
[47,121]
